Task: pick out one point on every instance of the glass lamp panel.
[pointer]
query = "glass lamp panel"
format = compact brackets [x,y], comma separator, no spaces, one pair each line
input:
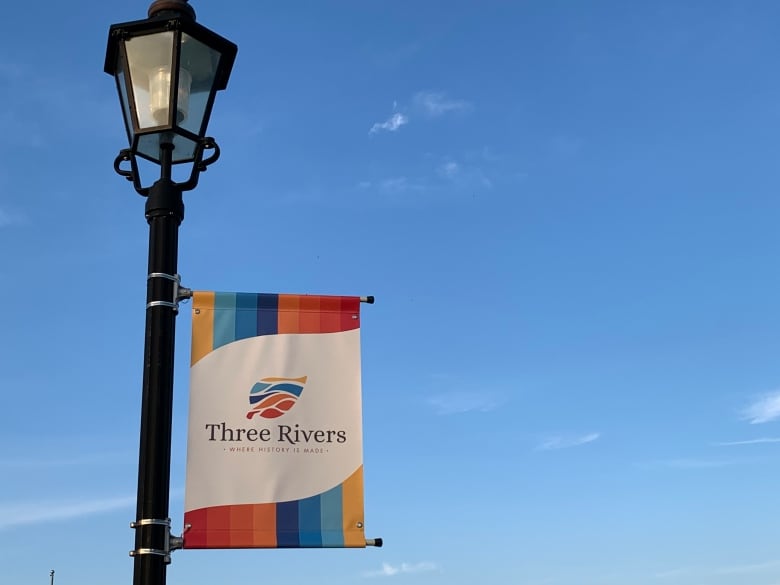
[199,63]
[150,59]
[183,149]
[121,80]
[148,146]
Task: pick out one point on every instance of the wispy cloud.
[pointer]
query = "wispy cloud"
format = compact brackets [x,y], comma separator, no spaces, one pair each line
[749,568]
[460,402]
[566,441]
[20,514]
[389,570]
[392,124]
[394,184]
[43,512]
[396,56]
[8,218]
[429,103]
[450,169]
[400,185]
[724,570]
[760,441]
[89,459]
[470,177]
[764,409]
[693,463]
[565,146]
[435,103]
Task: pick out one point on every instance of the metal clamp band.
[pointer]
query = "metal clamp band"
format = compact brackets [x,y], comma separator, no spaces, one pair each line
[171,542]
[174,306]
[173,277]
[150,522]
[179,292]
[149,551]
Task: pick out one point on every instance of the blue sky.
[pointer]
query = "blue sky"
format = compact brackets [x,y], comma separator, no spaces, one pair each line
[567,212]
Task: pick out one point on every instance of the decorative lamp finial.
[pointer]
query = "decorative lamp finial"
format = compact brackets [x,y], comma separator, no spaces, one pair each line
[178,7]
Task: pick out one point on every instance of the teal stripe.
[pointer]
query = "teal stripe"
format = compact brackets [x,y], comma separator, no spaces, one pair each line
[246,315]
[331,518]
[224,319]
[309,530]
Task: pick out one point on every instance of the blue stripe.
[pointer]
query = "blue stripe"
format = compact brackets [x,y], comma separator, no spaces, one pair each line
[331,518]
[309,522]
[246,315]
[224,318]
[287,525]
[267,314]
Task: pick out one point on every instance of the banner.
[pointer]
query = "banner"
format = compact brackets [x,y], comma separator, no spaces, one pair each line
[274,448]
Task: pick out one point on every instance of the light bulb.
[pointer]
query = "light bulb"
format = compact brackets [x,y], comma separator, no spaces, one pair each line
[160,92]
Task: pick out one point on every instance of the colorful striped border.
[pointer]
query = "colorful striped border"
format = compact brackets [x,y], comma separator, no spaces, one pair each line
[333,519]
[221,318]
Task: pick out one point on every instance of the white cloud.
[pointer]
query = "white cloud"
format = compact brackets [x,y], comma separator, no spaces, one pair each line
[389,570]
[437,104]
[7,218]
[468,177]
[20,514]
[399,185]
[449,169]
[44,512]
[78,460]
[749,442]
[394,184]
[565,146]
[693,463]
[698,463]
[724,570]
[392,124]
[460,402]
[764,409]
[566,441]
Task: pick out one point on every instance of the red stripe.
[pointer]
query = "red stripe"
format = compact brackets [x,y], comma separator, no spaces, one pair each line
[318,313]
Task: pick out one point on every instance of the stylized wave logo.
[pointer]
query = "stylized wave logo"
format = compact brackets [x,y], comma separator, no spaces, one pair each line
[273,397]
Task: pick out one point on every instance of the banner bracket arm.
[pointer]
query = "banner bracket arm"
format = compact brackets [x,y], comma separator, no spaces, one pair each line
[180,293]
[377,542]
[369,299]
[171,542]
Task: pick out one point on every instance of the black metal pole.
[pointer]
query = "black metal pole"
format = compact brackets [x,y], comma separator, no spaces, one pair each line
[164,213]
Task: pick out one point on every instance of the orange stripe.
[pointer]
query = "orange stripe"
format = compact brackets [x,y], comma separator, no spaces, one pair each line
[264,526]
[202,325]
[352,506]
[309,314]
[302,379]
[271,400]
[289,315]
[240,526]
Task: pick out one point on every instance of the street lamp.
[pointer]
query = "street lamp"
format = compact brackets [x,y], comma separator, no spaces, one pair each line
[168,69]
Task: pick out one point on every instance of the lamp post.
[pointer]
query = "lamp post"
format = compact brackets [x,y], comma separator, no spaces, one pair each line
[168,70]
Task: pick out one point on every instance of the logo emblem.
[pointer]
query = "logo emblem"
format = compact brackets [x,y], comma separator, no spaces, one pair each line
[273,397]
